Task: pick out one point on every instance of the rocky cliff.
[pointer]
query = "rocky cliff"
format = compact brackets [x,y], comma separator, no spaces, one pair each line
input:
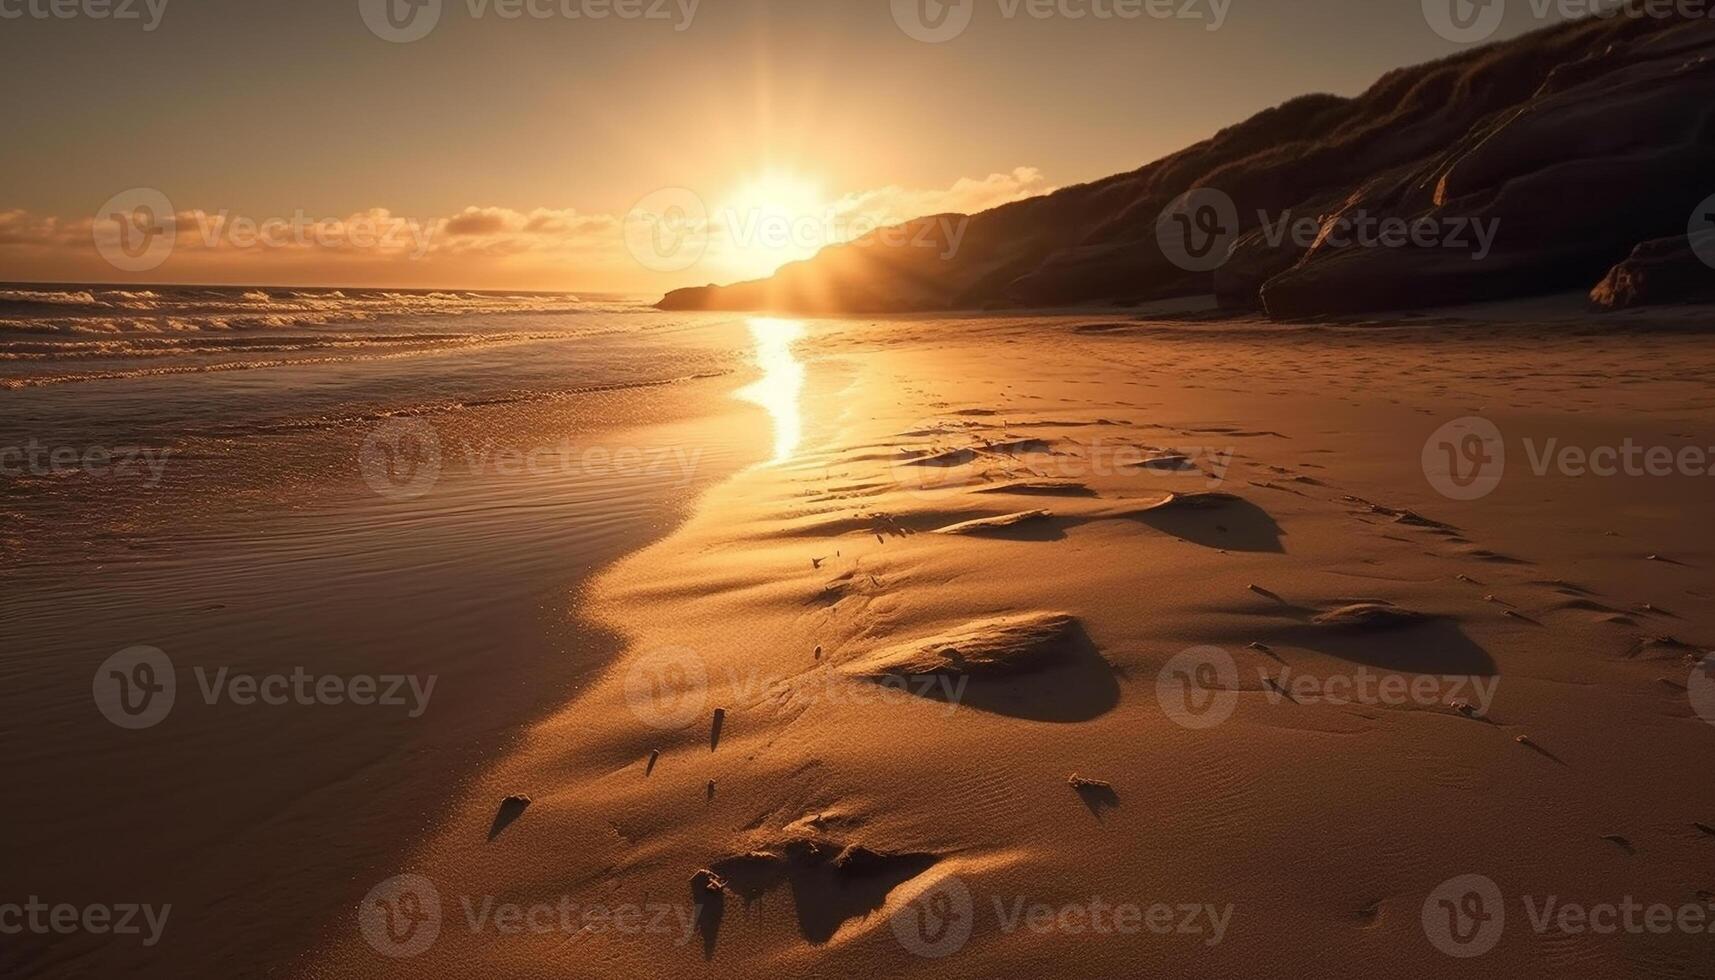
[1560,159]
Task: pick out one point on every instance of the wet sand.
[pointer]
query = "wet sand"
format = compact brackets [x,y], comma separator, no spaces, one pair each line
[270,555]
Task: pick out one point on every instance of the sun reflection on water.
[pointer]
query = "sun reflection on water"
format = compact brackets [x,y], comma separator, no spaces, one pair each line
[782,380]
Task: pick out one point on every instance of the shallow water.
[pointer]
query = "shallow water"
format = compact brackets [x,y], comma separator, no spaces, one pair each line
[382,502]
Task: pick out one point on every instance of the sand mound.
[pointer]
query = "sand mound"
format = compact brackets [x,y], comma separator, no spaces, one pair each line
[982,524]
[1047,488]
[988,647]
[1171,462]
[1370,614]
[948,457]
[832,882]
[1207,500]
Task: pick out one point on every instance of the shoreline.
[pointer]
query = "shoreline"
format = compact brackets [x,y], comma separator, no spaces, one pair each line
[499,647]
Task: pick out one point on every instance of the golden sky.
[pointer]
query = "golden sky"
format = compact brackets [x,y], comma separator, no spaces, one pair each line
[509,143]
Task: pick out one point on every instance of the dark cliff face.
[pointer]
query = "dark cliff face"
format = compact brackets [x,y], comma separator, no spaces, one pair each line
[1530,166]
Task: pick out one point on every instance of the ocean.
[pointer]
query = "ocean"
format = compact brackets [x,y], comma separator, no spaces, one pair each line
[338,484]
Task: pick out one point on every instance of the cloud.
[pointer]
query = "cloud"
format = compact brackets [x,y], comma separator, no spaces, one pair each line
[893,204]
[547,246]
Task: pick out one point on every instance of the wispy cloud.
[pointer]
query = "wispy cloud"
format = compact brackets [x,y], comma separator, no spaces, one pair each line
[479,245]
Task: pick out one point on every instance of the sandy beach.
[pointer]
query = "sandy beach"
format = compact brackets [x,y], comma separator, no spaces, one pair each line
[1165,654]
[910,489]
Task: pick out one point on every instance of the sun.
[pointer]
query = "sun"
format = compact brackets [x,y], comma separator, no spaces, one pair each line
[771,219]
[779,193]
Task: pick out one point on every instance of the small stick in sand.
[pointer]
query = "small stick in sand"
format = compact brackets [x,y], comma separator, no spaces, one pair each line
[654,756]
[715,728]
[706,880]
[1259,590]
[1085,782]
[511,809]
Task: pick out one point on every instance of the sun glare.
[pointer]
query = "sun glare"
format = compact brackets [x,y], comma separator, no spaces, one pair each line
[772,219]
[782,381]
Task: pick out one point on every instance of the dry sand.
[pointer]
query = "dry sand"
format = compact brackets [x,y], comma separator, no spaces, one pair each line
[839,745]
